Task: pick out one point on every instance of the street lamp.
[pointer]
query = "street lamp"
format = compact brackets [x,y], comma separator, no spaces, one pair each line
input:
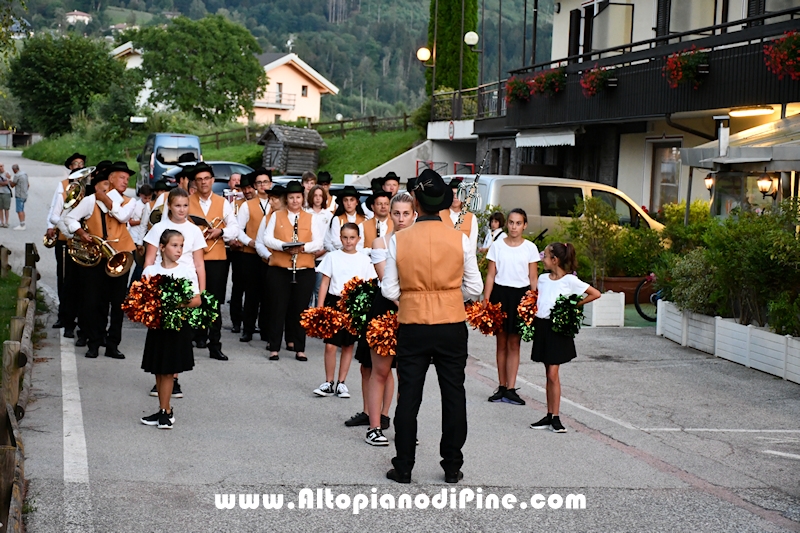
[766,184]
[709,181]
[424,54]
[471,39]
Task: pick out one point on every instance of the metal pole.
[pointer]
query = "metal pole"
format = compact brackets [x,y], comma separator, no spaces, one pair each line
[524,30]
[535,30]
[461,53]
[483,35]
[499,46]
[433,56]
[688,198]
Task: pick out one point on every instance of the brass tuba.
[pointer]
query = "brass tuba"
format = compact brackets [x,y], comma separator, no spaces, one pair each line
[90,254]
[76,190]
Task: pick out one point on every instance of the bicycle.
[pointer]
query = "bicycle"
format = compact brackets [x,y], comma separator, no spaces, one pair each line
[648,309]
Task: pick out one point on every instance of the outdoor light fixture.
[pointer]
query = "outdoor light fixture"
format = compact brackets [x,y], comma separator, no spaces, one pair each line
[766,184]
[471,38]
[709,181]
[424,54]
[752,111]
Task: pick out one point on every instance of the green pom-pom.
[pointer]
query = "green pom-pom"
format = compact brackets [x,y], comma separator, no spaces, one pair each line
[525,331]
[175,293]
[566,315]
[203,317]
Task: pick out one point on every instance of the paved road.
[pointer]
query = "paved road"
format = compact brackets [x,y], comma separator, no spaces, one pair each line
[661,438]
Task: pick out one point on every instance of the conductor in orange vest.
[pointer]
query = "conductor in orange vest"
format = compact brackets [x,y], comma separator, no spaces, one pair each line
[430,269]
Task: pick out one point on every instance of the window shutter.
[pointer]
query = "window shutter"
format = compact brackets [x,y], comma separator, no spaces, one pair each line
[574,33]
[755,8]
[588,28]
[662,18]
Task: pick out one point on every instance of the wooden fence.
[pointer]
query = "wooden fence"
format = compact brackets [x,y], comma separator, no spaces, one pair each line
[225,138]
[372,124]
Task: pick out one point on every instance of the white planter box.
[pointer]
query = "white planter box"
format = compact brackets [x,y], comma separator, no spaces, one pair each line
[732,341]
[670,322]
[793,359]
[767,352]
[700,332]
[608,310]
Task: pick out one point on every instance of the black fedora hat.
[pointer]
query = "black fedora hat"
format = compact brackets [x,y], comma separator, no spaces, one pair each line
[161,185]
[194,170]
[277,190]
[248,180]
[73,157]
[432,192]
[410,184]
[294,186]
[375,184]
[455,183]
[347,190]
[391,176]
[324,177]
[118,166]
[370,201]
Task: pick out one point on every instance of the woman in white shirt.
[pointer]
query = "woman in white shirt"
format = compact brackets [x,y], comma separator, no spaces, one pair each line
[496,222]
[317,200]
[513,270]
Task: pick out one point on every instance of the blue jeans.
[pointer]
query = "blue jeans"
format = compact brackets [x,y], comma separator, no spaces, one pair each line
[20,204]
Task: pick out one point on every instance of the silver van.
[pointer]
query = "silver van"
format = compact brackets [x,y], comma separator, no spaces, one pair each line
[161,151]
[548,201]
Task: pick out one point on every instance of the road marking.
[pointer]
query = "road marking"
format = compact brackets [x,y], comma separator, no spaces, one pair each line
[716,430]
[782,454]
[77,497]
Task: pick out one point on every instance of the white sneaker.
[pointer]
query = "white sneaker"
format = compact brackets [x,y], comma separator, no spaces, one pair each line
[20,228]
[326,389]
[375,437]
[341,391]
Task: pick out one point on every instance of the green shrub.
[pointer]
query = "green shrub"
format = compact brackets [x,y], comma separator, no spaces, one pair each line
[784,314]
[593,230]
[694,285]
[636,252]
[683,238]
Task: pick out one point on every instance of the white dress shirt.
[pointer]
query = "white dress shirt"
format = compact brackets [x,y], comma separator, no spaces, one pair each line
[83,210]
[367,211]
[317,234]
[231,229]
[243,217]
[56,207]
[137,232]
[261,248]
[473,232]
[471,286]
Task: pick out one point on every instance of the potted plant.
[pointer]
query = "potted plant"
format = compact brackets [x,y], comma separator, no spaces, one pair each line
[689,66]
[549,82]
[595,80]
[782,56]
[635,256]
[518,89]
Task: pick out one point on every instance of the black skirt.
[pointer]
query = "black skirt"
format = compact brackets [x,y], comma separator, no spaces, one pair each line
[509,298]
[342,337]
[380,306]
[168,351]
[549,347]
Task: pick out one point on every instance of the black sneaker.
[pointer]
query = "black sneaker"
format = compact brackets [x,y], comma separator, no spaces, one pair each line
[385,421]
[358,419]
[498,394]
[176,389]
[152,420]
[544,423]
[512,397]
[556,426]
[154,392]
[165,420]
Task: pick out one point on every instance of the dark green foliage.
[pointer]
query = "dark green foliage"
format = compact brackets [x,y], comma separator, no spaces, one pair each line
[54,78]
[784,314]
[207,67]
[683,238]
[450,44]
[636,252]
[693,283]
[115,108]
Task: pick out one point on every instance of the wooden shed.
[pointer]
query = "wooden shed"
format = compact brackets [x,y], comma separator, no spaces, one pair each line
[291,151]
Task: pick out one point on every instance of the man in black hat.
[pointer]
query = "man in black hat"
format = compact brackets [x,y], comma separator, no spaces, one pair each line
[292,275]
[75,162]
[429,269]
[324,180]
[105,214]
[216,211]
[469,225]
[380,224]
[391,183]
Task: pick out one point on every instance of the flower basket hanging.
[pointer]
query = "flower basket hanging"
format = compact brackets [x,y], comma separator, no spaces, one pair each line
[595,80]
[550,82]
[518,89]
[689,66]
[782,56]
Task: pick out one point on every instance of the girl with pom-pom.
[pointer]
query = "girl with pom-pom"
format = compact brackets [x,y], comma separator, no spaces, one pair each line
[550,347]
[169,352]
[513,271]
[337,268]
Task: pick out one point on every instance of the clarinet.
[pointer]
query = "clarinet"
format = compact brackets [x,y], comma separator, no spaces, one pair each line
[294,254]
[378,229]
[473,193]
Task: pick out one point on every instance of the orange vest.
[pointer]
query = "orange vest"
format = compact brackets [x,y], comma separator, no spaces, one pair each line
[251,229]
[284,232]
[466,225]
[430,268]
[216,211]
[117,232]
[343,219]
[371,230]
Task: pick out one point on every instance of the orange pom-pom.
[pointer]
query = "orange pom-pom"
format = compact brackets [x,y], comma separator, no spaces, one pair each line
[527,307]
[143,303]
[488,320]
[382,334]
[323,322]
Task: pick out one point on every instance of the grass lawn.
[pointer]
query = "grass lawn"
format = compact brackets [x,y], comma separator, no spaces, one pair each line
[117,15]
[360,151]
[246,153]
[57,149]
[8,303]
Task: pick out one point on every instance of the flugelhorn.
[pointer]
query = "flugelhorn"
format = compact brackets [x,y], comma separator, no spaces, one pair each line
[76,190]
[214,224]
[89,254]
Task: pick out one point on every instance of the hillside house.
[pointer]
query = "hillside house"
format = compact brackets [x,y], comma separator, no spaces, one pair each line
[73,17]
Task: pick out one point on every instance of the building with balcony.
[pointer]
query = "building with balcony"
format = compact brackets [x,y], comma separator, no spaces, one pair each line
[631,133]
[294,91]
[73,17]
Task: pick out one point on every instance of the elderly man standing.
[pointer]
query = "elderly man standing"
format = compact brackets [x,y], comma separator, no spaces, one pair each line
[5,196]
[430,268]
[19,181]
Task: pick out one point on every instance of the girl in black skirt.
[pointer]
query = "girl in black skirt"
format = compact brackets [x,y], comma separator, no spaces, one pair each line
[513,271]
[168,352]
[337,268]
[550,347]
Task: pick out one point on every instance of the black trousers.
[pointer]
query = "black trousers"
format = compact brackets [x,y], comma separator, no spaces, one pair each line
[288,300]
[239,281]
[72,295]
[216,284]
[254,272]
[61,255]
[416,345]
[103,297]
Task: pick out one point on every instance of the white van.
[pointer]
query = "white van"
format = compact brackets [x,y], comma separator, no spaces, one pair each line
[548,201]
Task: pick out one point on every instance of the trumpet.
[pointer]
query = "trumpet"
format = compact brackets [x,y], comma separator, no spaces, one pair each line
[76,190]
[294,254]
[209,226]
[48,242]
[90,254]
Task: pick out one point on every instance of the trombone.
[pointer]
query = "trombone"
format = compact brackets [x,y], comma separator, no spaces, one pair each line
[209,226]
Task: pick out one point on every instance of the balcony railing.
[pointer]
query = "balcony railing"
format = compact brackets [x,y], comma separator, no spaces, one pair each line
[485,101]
[276,100]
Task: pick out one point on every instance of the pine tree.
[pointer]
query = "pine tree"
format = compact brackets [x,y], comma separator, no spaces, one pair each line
[449,40]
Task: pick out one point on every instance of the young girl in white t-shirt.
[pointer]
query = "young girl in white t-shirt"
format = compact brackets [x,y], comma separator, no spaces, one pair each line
[337,268]
[169,352]
[513,271]
[549,347]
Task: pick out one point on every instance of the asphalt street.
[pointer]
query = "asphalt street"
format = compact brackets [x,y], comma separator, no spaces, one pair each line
[660,438]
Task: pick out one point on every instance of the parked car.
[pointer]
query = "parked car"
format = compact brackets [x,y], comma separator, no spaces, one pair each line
[162,151]
[222,171]
[547,201]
